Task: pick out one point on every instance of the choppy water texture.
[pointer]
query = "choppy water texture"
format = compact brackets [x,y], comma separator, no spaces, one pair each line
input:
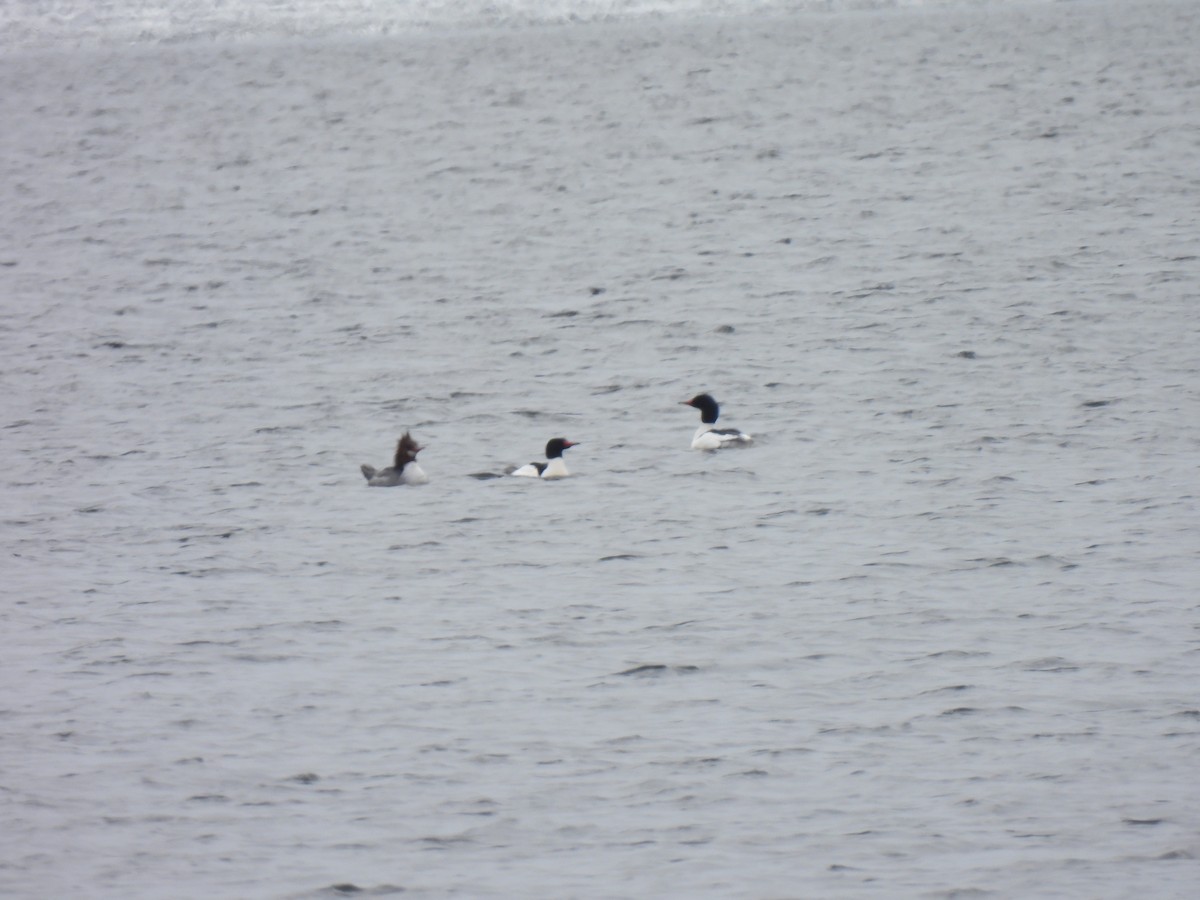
[934,635]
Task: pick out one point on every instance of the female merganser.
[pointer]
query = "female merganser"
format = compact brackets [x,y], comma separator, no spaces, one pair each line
[708,436]
[554,467]
[404,470]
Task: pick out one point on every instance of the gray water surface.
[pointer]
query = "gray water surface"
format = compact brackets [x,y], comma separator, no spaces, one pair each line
[932,635]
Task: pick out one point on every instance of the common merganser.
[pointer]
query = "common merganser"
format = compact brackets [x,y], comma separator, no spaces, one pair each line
[554,467]
[404,470]
[708,436]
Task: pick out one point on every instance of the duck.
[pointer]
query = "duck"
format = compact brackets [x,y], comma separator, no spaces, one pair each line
[708,436]
[553,467]
[404,469]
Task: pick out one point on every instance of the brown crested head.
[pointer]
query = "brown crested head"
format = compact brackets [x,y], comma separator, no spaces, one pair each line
[406,450]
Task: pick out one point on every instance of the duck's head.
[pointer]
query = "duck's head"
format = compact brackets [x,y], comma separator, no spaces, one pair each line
[556,446]
[707,406]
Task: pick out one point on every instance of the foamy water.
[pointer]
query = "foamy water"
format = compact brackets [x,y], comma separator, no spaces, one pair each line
[933,635]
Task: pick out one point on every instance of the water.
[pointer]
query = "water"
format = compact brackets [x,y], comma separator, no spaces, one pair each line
[933,635]
[70,22]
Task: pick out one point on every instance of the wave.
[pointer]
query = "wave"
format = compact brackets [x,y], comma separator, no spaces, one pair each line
[36,23]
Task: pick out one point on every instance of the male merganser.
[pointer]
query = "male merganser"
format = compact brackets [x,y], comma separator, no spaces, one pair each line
[708,436]
[404,470]
[554,467]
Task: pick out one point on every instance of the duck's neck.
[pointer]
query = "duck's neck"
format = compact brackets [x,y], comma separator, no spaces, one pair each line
[413,474]
[555,468]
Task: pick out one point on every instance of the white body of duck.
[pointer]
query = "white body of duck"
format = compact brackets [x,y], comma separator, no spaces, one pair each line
[553,467]
[404,469]
[708,436]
